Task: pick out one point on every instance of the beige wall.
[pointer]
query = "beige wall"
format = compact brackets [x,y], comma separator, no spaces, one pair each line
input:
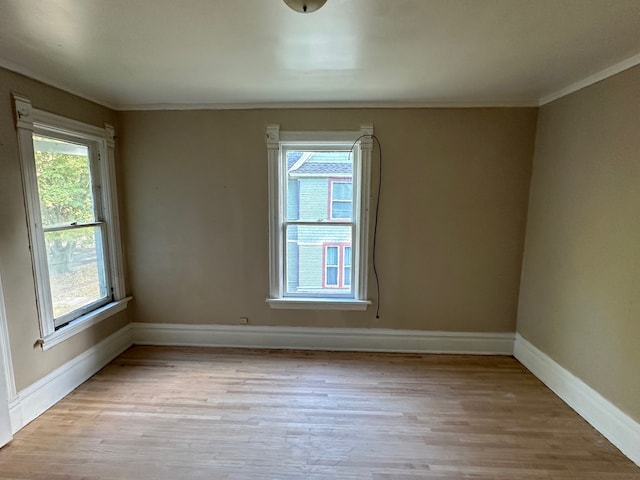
[31,363]
[452,217]
[580,297]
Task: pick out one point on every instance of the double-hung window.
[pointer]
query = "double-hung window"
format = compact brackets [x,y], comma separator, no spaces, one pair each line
[337,266]
[69,185]
[340,199]
[319,211]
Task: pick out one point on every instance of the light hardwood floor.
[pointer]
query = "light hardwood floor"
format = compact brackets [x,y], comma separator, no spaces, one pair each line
[198,413]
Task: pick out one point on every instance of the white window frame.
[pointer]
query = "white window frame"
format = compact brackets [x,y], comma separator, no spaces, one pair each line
[277,141]
[30,120]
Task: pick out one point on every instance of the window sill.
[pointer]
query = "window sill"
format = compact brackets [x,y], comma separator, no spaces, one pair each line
[82,323]
[318,304]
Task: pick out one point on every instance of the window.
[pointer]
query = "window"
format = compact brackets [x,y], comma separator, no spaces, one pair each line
[72,225]
[331,266]
[340,199]
[69,189]
[346,265]
[319,193]
[337,266]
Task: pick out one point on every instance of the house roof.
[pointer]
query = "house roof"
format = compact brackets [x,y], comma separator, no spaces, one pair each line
[325,169]
[292,158]
[323,164]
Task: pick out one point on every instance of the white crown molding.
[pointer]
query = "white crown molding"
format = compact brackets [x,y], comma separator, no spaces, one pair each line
[591,79]
[619,428]
[38,397]
[517,103]
[337,339]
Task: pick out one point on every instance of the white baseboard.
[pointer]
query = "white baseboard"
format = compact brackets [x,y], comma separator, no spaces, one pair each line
[50,389]
[306,338]
[619,428]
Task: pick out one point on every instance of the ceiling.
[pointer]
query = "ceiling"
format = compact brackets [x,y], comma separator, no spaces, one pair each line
[250,53]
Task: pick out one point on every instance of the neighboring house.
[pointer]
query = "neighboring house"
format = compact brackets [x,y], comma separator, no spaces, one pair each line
[319,189]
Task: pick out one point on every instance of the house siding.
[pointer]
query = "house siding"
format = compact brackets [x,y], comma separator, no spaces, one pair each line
[305,245]
[314,195]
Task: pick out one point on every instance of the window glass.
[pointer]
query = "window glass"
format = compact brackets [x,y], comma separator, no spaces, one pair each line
[73,233]
[310,178]
[76,269]
[64,181]
[341,210]
[341,199]
[347,266]
[310,265]
[332,266]
[342,191]
[332,256]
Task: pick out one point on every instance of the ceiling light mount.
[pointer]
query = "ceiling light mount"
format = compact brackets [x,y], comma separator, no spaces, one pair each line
[305,6]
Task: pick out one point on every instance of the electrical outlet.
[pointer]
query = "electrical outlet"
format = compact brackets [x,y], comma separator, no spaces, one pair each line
[244,320]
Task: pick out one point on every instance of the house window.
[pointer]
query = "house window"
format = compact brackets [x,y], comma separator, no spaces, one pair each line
[346,266]
[69,187]
[337,266]
[319,193]
[331,266]
[72,224]
[340,199]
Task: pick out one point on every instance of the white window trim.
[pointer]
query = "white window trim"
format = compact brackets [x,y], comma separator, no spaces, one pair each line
[360,261]
[299,303]
[28,119]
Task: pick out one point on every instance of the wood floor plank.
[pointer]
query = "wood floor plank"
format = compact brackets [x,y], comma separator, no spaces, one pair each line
[201,413]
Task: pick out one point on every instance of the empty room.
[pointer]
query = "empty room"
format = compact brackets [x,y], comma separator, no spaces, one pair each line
[320,239]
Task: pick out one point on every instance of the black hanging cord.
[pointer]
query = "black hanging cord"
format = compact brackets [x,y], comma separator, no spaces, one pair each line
[375,223]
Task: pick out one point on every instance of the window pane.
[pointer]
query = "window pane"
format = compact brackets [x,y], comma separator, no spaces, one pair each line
[342,191]
[332,255]
[341,198]
[76,268]
[341,210]
[64,181]
[332,275]
[310,177]
[346,262]
[309,257]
